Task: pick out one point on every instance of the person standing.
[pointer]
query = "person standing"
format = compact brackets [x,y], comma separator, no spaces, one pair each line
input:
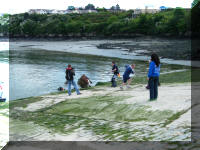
[126,76]
[70,73]
[115,71]
[153,76]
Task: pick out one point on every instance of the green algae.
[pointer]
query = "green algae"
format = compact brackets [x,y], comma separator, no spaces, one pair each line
[24,102]
[100,114]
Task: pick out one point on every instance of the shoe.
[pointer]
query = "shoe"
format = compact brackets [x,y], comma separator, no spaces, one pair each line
[121,88]
[69,94]
[128,87]
[152,99]
[79,93]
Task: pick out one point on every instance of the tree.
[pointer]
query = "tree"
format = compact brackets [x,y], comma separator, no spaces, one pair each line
[71,8]
[90,7]
[100,9]
[80,8]
[117,7]
[28,27]
[195,2]
[112,8]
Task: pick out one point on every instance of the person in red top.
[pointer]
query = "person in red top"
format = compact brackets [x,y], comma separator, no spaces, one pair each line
[70,73]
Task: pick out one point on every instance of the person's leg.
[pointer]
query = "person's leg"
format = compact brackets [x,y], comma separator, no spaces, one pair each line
[156,80]
[115,82]
[69,87]
[151,88]
[147,87]
[124,83]
[75,86]
[129,82]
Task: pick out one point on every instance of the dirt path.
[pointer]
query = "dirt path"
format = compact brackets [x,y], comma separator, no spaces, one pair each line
[167,94]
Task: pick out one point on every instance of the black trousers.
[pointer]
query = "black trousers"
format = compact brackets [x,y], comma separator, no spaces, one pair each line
[113,80]
[153,87]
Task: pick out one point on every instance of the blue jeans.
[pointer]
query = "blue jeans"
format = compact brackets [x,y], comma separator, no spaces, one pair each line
[71,82]
[153,87]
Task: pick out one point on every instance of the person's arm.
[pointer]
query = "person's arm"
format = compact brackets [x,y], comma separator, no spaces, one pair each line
[73,72]
[114,69]
[132,71]
[151,66]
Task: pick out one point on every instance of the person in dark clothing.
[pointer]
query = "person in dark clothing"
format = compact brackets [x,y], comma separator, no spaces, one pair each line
[115,71]
[61,89]
[70,73]
[129,69]
[153,76]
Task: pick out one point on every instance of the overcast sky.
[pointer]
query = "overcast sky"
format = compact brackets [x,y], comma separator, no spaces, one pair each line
[19,6]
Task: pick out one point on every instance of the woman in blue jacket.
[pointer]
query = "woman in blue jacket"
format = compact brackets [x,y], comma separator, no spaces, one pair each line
[153,76]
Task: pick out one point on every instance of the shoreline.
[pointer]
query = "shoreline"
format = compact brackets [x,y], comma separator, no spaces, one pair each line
[137,80]
[82,38]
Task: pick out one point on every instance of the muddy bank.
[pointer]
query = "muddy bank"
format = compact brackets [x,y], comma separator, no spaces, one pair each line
[101,115]
[171,54]
[177,49]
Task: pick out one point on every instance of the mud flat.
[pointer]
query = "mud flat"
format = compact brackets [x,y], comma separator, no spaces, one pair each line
[103,113]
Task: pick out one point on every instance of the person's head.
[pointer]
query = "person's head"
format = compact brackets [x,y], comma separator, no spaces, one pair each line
[133,66]
[113,63]
[69,66]
[155,58]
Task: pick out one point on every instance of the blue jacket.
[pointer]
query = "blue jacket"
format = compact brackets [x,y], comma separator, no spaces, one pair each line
[154,71]
[128,71]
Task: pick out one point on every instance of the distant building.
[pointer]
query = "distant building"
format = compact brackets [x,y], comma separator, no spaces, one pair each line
[38,11]
[78,11]
[59,12]
[137,12]
[54,11]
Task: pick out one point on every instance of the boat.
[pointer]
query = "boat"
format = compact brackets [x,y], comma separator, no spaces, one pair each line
[2,99]
[1,93]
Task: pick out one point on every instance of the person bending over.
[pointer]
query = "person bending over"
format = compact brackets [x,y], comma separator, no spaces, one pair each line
[126,76]
[84,81]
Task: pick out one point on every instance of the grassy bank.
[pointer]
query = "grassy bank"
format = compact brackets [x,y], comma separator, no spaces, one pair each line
[175,77]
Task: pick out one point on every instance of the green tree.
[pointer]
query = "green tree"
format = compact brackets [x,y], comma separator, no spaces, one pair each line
[117,7]
[90,7]
[71,8]
[195,2]
[28,27]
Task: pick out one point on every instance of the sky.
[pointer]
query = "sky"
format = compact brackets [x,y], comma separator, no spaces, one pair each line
[20,6]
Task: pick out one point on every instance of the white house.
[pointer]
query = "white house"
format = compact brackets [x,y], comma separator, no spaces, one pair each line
[83,11]
[38,11]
